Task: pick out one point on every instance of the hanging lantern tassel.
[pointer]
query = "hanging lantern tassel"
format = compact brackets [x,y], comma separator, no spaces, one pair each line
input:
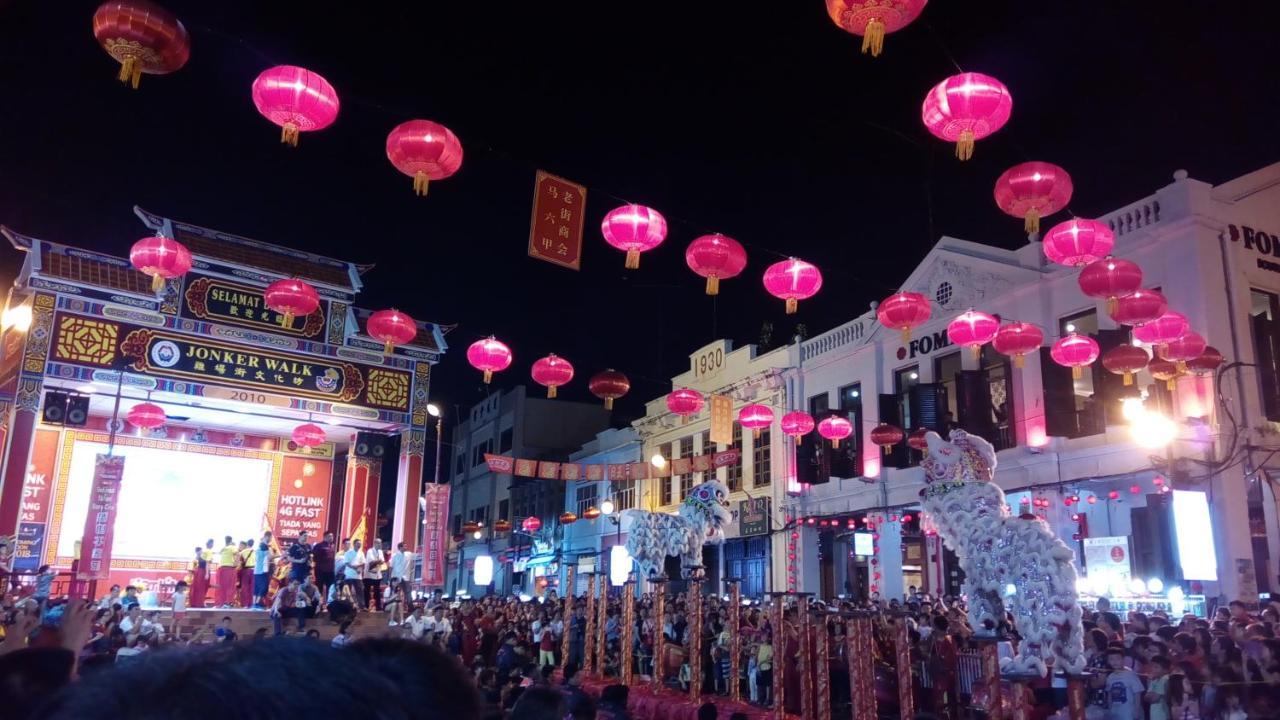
[1019,361]
[873,37]
[964,145]
[289,135]
[551,391]
[420,181]
[488,374]
[157,284]
[713,285]
[1171,384]
[797,441]
[1182,366]
[633,260]
[1112,305]
[835,444]
[608,403]
[755,433]
[1076,372]
[906,334]
[130,71]
[287,319]
[976,351]
[1128,379]
[792,305]
[1032,221]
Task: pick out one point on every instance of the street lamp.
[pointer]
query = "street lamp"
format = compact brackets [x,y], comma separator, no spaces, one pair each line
[1152,430]
[607,507]
[17,317]
[658,461]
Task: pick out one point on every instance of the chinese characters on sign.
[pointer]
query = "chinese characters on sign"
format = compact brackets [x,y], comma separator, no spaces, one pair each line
[100,520]
[555,230]
[753,517]
[224,301]
[435,534]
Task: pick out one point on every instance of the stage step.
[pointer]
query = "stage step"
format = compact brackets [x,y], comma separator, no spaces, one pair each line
[246,622]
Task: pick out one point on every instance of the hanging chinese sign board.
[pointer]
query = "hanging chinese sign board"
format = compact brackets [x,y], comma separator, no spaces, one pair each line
[100,520]
[230,303]
[722,419]
[753,517]
[555,229]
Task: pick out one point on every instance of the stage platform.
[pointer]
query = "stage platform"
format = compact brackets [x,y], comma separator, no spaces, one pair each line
[246,622]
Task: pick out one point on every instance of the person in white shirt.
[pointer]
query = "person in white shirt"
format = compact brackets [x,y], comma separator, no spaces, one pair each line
[438,623]
[179,607]
[401,564]
[353,570]
[110,598]
[417,623]
[375,564]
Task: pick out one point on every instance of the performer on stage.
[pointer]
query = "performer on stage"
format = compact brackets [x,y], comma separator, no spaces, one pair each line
[200,575]
[244,567]
[227,574]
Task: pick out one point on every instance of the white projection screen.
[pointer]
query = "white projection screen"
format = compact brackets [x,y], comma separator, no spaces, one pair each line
[170,501]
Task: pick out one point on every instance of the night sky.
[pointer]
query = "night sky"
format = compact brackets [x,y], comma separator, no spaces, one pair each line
[770,127]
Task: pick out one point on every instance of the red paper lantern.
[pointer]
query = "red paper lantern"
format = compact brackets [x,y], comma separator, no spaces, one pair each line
[1186,347]
[424,151]
[1125,360]
[591,513]
[292,298]
[792,280]
[1093,499]
[715,257]
[755,418]
[684,402]
[161,258]
[906,518]
[872,20]
[1165,370]
[973,329]
[1163,330]
[146,416]
[1139,307]
[797,424]
[143,37]
[1017,340]
[296,99]
[886,435]
[308,435]
[903,311]
[489,355]
[470,527]
[965,108]
[835,428]
[1157,481]
[1113,495]
[568,518]
[609,385]
[1207,363]
[917,441]
[634,229]
[502,525]
[1033,190]
[1078,242]
[1075,351]
[552,372]
[531,524]
[391,328]
[1109,279]
[1135,489]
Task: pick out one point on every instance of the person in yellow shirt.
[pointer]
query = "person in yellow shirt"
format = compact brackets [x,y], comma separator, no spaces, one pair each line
[227,573]
[244,566]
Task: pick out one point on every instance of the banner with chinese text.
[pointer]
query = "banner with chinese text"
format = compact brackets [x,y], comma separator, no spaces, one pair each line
[100,520]
[435,534]
[555,230]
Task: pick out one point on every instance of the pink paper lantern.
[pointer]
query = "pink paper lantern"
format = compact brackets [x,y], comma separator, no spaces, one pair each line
[291,298]
[1017,340]
[1075,351]
[634,229]
[1078,241]
[792,280]
[146,416]
[391,327]
[296,99]
[903,311]
[552,372]
[489,355]
[973,329]
[1109,279]
[1138,307]
[872,19]
[424,151]
[161,258]
[965,108]
[835,428]
[755,418]
[715,257]
[1033,190]
[531,524]
[308,435]
[1183,349]
[1163,330]
[797,424]
[684,402]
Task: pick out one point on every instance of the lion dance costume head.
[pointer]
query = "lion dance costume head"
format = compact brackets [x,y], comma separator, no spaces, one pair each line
[700,519]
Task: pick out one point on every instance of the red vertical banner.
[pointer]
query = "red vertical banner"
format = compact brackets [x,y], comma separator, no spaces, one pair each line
[435,534]
[100,520]
[555,229]
[304,496]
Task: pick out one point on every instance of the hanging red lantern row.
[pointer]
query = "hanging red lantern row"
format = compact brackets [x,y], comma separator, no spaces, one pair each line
[146,415]
[291,298]
[424,151]
[755,418]
[1033,190]
[143,37]
[1207,363]
[1186,347]
[684,402]
[886,436]
[904,311]
[489,355]
[160,257]
[609,385]
[1139,307]
[973,329]
[1017,340]
[872,20]
[835,428]
[296,99]
[308,435]
[1078,242]
[552,372]
[391,328]
[797,424]
[917,441]
[1075,351]
[966,108]
[1109,279]
[715,257]
[1163,330]
[792,280]
[1125,360]
[634,229]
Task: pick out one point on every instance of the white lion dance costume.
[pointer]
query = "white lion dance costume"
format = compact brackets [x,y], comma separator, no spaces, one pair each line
[1010,563]
[700,519]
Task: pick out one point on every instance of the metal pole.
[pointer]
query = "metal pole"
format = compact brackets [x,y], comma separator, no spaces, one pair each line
[439,432]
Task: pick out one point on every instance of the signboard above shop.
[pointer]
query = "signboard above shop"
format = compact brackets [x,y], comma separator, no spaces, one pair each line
[231,303]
